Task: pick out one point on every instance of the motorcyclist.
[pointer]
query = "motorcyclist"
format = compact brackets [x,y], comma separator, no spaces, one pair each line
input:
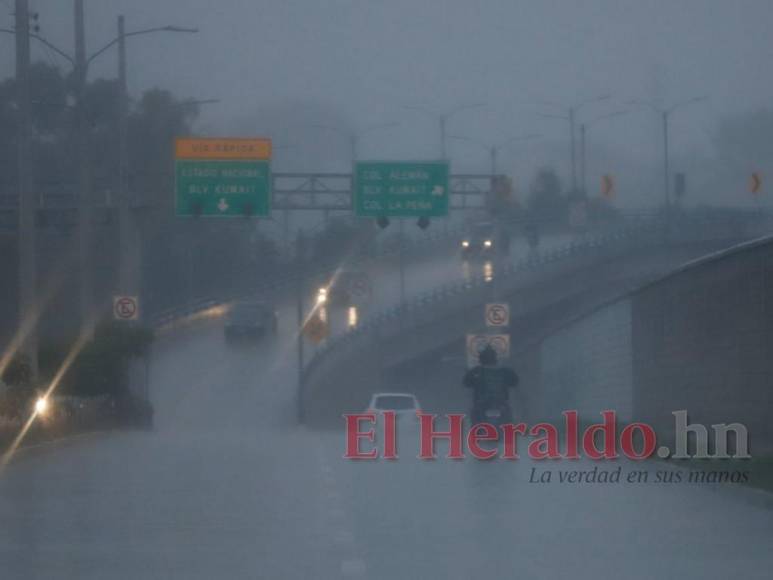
[490,383]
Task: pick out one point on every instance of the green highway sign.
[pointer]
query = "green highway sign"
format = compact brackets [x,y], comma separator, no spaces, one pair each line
[223,188]
[224,177]
[401,189]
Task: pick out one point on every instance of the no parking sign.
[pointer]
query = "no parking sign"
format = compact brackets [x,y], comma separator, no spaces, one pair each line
[477,342]
[497,315]
[126,307]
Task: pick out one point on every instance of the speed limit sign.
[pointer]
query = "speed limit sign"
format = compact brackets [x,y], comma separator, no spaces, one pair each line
[126,307]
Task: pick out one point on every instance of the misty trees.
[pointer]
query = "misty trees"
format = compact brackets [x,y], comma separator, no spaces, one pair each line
[746,139]
[546,199]
[154,121]
[222,257]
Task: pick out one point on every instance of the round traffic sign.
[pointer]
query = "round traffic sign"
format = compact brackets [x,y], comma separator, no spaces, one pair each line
[497,315]
[478,344]
[125,308]
[501,345]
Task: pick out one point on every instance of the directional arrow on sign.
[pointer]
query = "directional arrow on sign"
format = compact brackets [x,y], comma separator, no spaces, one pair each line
[223,205]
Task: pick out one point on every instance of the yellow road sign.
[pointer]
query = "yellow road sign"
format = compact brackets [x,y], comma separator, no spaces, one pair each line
[222,148]
[607,186]
[755,183]
[316,329]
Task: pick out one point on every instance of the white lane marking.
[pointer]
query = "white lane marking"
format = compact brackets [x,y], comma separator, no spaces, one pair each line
[344,537]
[353,568]
[336,513]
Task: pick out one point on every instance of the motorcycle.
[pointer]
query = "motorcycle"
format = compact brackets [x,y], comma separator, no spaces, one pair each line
[496,412]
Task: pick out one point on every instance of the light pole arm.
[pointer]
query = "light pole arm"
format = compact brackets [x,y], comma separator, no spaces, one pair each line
[686,103]
[108,46]
[376,128]
[473,141]
[527,137]
[45,42]
[640,103]
[461,108]
[116,40]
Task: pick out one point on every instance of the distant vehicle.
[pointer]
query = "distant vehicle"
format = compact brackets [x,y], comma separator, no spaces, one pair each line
[348,287]
[250,319]
[484,242]
[404,405]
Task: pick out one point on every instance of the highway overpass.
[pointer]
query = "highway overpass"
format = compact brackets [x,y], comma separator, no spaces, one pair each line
[229,485]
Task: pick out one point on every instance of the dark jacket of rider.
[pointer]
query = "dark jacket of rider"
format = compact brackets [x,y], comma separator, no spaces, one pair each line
[488,381]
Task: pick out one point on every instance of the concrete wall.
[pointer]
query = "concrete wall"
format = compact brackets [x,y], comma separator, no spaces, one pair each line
[588,365]
[703,341]
[699,339]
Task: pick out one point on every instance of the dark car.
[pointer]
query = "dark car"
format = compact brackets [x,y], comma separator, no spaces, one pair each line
[484,241]
[250,319]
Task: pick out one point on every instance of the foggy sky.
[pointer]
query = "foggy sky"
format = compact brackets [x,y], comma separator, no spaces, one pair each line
[367,59]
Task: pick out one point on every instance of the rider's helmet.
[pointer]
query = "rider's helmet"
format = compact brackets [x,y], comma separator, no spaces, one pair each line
[487,356]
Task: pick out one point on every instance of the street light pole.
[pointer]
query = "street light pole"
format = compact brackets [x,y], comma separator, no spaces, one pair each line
[27,300]
[570,114]
[443,146]
[666,168]
[665,115]
[583,180]
[583,136]
[128,243]
[300,251]
[86,296]
[442,119]
[402,261]
[572,149]
[80,63]
[493,150]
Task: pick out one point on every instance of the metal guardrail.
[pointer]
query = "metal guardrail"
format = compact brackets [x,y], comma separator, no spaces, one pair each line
[637,222]
[641,231]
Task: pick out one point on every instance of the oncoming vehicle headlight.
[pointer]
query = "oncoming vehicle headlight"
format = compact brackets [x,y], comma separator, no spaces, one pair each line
[488,243]
[465,244]
[322,296]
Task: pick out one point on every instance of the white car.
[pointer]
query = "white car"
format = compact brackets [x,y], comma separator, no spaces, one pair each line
[404,405]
